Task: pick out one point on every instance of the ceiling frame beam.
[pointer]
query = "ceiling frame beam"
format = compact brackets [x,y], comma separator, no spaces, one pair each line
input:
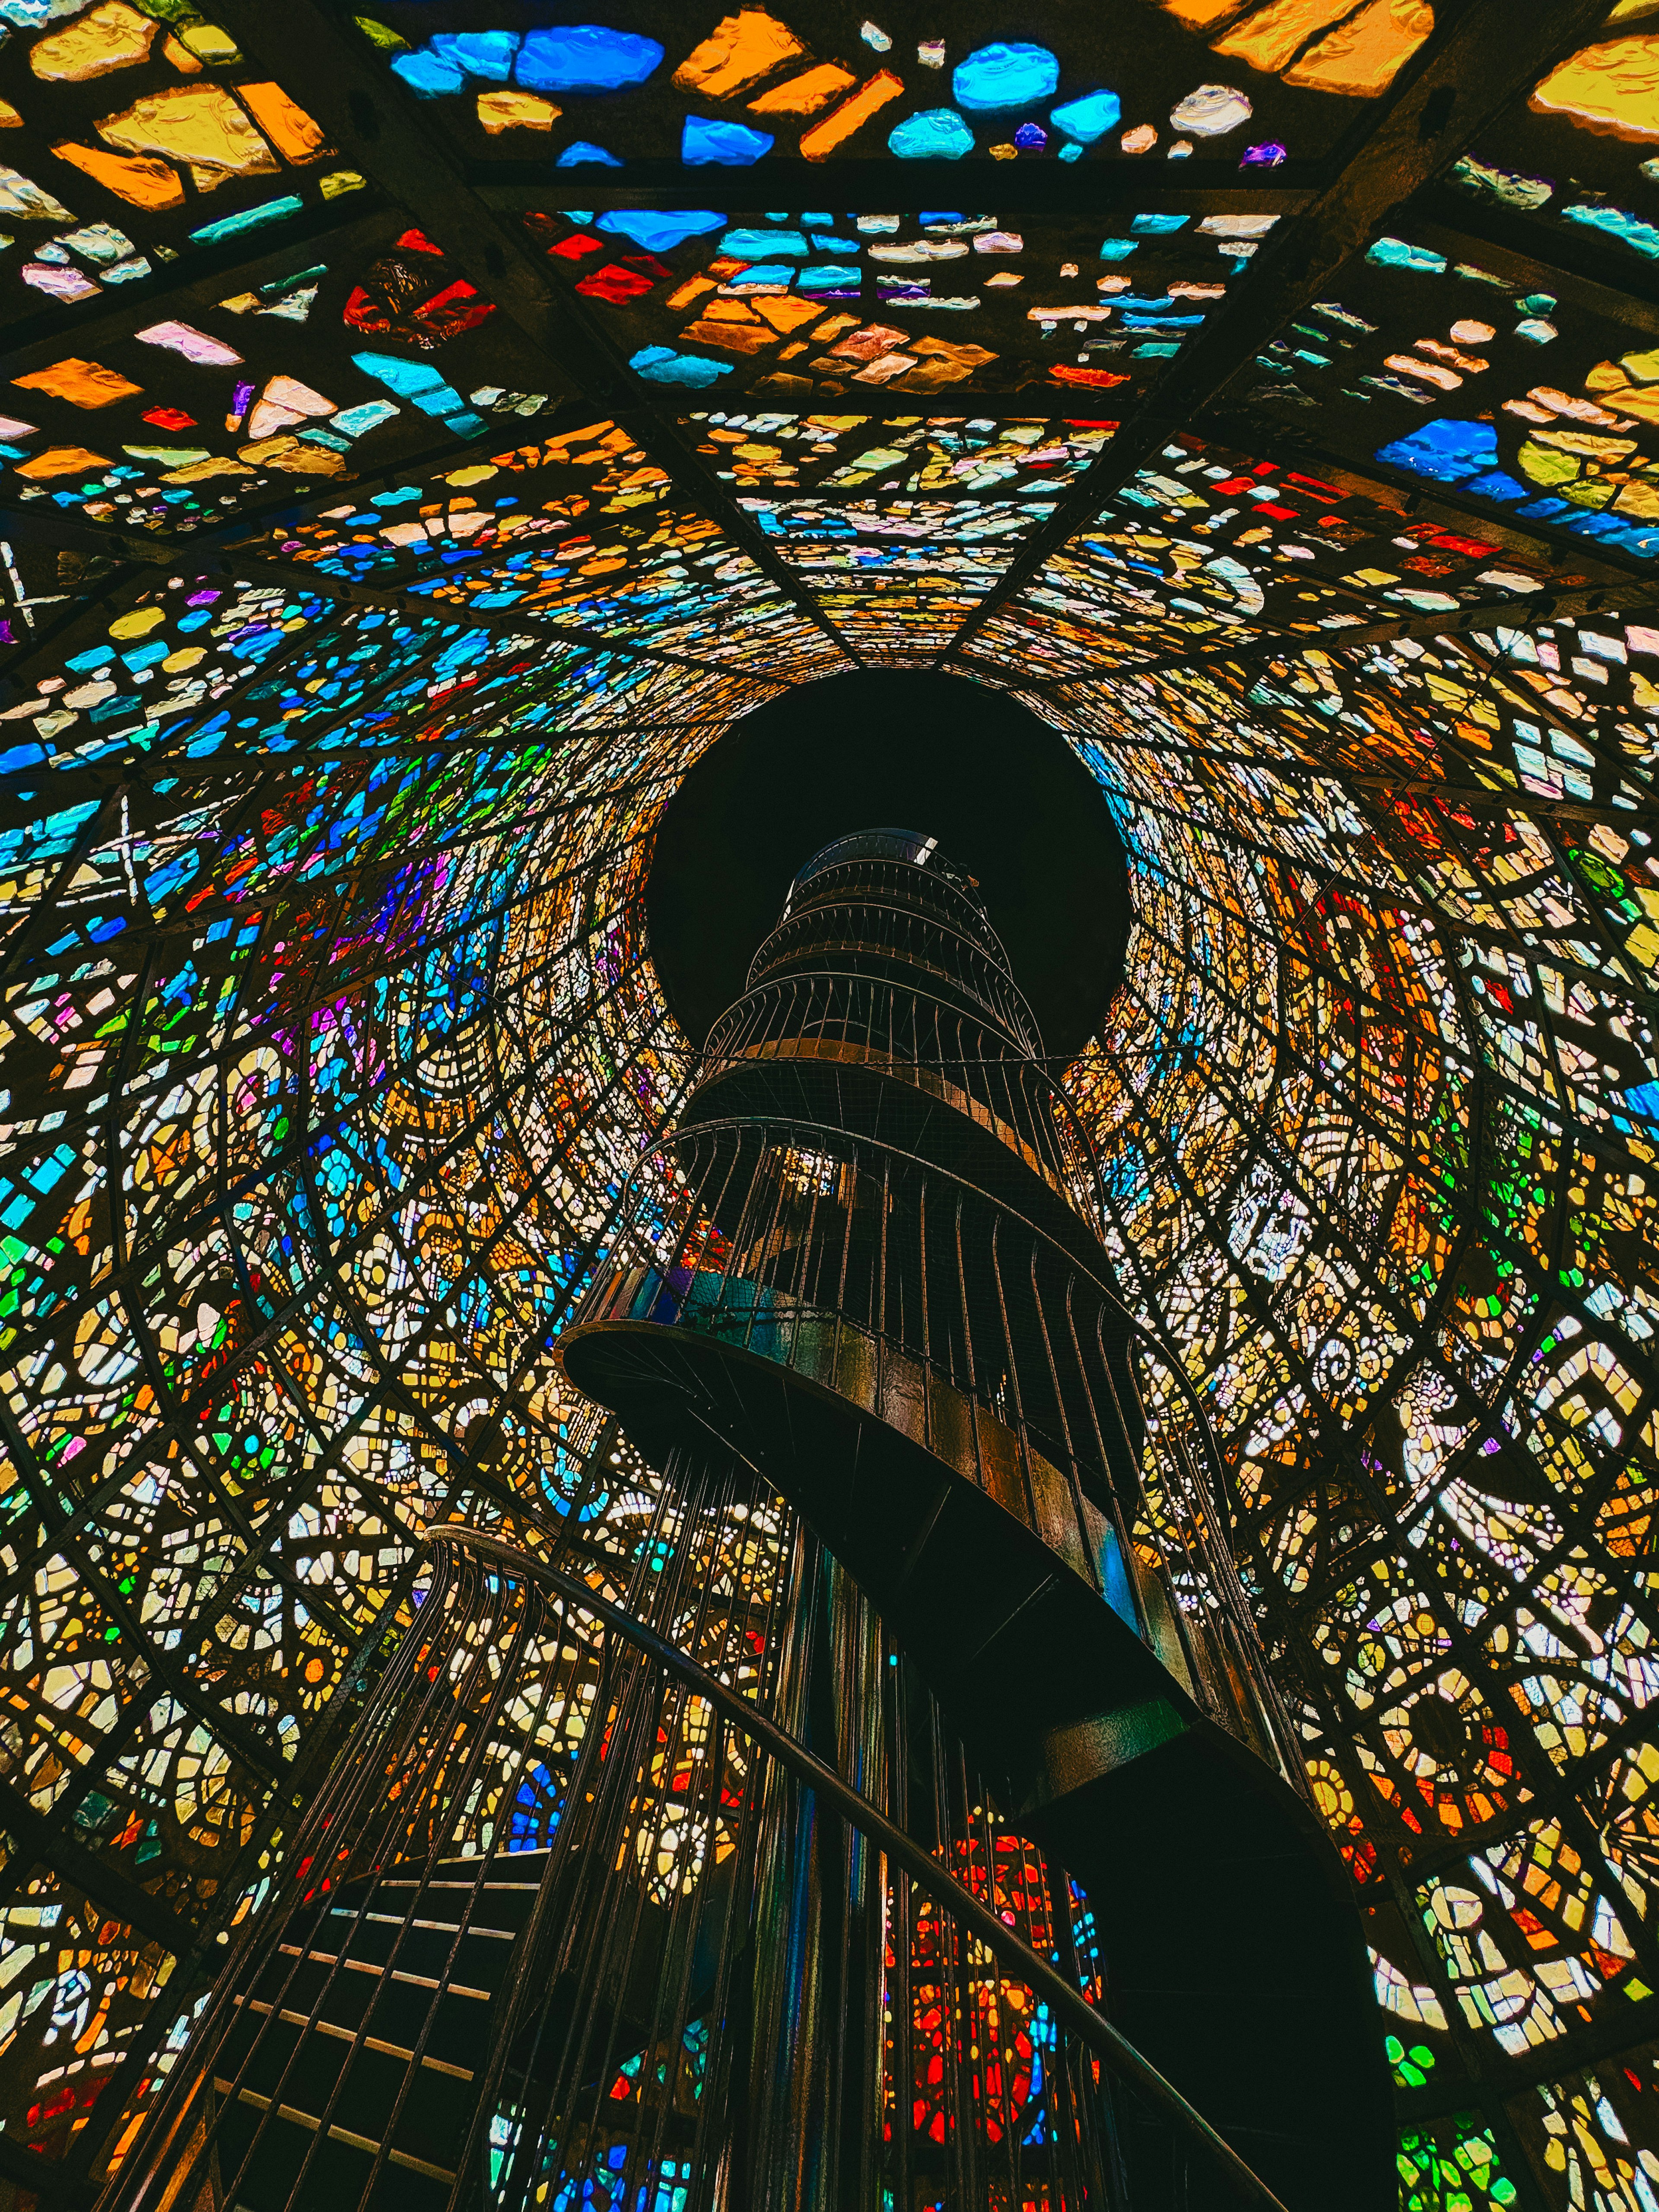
[1486,55]
[329,68]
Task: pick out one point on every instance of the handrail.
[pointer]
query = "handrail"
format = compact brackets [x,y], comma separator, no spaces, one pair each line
[1109,2043]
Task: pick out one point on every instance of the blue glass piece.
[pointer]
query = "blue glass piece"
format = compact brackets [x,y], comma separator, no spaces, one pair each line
[583,154]
[931,134]
[1088,118]
[1640,237]
[355,420]
[930,218]
[1153,349]
[420,383]
[1395,253]
[659,230]
[427,75]
[1496,485]
[1117,249]
[1444,450]
[662,365]
[818,222]
[1071,151]
[1159,225]
[1645,1099]
[1030,137]
[1543,510]
[585,58]
[763,272]
[732,145]
[829,276]
[997,77]
[487,54]
[232,226]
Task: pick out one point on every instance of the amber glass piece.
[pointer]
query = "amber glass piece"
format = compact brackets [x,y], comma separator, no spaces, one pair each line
[290,129]
[198,123]
[804,95]
[788,312]
[61,461]
[138,180]
[112,37]
[1362,58]
[1612,89]
[82,383]
[1271,38]
[508,110]
[842,122]
[1202,15]
[738,51]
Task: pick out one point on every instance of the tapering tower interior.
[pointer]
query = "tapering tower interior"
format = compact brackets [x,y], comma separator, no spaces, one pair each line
[830,1106]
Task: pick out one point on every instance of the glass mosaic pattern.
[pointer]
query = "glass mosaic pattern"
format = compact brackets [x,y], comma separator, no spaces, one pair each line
[351,650]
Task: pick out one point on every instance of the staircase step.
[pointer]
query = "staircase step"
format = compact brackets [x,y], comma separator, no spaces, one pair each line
[348,2035]
[352,2140]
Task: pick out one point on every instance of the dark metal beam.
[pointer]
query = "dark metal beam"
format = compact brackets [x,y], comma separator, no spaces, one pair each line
[1580,265]
[327,66]
[1077,193]
[1486,56]
[247,564]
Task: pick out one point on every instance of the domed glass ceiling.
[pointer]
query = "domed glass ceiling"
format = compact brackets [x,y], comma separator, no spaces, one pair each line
[424,435]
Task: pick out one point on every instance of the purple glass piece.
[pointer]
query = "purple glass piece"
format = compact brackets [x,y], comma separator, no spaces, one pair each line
[1267,157]
[242,398]
[1030,137]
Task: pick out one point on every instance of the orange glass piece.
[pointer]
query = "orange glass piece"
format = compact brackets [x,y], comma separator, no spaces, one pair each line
[199,124]
[82,383]
[61,461]
[1269,39]
[138,180]
[112,37]
[842,122]
[788,312]
[739,51]
[1364,57]
[804,95]
[294,133]
[1612,89]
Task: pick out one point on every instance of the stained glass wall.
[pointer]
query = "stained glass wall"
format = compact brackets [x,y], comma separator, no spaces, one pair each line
[381,541]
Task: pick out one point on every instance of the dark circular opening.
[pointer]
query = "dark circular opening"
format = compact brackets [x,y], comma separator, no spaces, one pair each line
[1006,796]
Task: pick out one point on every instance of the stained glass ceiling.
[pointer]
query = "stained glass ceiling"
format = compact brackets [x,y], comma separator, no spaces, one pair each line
[425,432]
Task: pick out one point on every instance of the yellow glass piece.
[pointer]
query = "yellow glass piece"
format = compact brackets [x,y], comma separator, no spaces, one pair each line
[9,119]
[338,181]
[139,621]
[1640,500]
[1631,11]
[296,455]
[806,93]
[508,110]
[1362,58]
[82,383]
[201,471]
[295,135]
[199,124]
[61,461]
[210,45]
[738,52]
[1269,39]
[1612,89]
[842,122]
[137,180]
[112,37]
